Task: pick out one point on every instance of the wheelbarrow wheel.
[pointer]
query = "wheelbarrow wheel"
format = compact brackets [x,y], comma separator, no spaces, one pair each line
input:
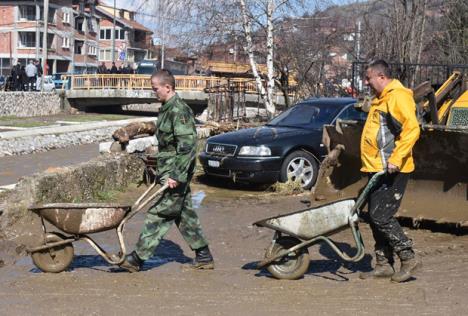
[292,266]
[55,259]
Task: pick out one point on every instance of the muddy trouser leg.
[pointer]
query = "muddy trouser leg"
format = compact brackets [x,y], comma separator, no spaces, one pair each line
[175,205]
[154,229]
[383,250]
[189,225]
[383,205]
[157,223]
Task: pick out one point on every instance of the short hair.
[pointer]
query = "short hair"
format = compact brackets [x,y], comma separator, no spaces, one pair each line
[380,66]
[165,77]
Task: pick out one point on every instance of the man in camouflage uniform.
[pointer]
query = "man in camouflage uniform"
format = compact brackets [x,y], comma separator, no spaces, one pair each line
[177,143]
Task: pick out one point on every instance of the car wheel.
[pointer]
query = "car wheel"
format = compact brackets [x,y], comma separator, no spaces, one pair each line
[300,166]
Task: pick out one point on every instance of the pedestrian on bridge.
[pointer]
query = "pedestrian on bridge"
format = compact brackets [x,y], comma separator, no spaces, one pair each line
[387,140]
[176,158]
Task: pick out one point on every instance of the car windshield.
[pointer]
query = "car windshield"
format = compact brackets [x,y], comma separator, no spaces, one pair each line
[306,116]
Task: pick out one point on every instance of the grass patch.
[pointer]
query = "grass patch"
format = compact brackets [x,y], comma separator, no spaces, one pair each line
[105,196]
[288,188]
[21,122]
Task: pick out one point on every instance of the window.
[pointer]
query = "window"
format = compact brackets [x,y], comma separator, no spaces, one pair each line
[92,50]
[310,115]
[352,114]
[5,66]
[65,42]
[79,24]
[79,47]
[66,17]
[106,34]
[27,39]
[120,34]
[27,13]
[106,54]
[50,17]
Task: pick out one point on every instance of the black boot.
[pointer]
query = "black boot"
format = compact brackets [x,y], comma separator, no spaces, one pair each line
[203,259]
[383,266]
[132,263]
[409,265]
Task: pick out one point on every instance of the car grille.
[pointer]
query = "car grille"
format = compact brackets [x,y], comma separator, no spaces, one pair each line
[221,149]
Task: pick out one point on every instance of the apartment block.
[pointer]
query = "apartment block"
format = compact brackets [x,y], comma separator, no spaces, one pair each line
[72,33]
[133,41]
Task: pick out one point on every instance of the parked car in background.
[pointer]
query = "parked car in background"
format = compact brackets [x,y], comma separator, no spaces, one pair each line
[48,84]
[60,80]
[288,147]
[147,67]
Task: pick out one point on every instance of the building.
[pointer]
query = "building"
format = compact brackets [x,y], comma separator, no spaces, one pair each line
[71,34]
[133,41]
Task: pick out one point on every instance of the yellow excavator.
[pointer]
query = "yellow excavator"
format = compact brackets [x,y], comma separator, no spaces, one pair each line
[437,194]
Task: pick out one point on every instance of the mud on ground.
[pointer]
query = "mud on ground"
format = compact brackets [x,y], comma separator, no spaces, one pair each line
[236,287]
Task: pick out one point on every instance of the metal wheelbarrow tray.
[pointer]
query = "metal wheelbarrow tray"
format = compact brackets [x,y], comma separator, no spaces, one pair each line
[79,219]
[288,257]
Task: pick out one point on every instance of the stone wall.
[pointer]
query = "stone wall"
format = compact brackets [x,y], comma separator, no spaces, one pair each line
[80,183]
[24,104]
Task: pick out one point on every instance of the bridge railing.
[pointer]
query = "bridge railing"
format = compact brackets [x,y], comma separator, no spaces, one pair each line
[142,82]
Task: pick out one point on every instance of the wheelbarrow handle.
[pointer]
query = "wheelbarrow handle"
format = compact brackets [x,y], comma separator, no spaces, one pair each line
[363,196]
[139,204]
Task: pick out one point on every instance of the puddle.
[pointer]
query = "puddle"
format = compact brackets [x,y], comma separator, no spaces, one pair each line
[197,199]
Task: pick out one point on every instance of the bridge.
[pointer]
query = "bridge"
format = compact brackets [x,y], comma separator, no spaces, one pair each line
[122,89]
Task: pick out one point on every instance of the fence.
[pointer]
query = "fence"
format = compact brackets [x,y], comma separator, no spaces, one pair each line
[142,82]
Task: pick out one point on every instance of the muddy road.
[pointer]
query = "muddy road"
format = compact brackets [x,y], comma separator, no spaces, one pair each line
[236,287]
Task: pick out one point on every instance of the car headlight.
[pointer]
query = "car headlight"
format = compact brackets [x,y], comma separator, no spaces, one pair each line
[254,151]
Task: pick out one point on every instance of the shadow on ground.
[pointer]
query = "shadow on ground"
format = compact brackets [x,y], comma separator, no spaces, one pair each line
[332,264]
[167,252]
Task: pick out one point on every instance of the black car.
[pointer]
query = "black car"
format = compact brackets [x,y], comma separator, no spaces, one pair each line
[288,147]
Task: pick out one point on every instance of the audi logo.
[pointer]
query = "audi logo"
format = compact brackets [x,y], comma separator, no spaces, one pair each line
[218,149]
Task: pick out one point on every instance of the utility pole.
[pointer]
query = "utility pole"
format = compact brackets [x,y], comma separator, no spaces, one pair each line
[162,47]
[38,33]
[113,36]
[44,42]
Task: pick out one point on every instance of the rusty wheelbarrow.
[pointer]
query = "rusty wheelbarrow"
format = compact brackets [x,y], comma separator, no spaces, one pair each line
[288,256]
[78,220]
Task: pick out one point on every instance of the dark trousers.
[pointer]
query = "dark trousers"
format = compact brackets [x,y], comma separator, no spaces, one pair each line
[31,84]
[384,202]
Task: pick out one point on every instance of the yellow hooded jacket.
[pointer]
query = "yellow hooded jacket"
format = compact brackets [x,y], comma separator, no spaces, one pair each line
[391,130]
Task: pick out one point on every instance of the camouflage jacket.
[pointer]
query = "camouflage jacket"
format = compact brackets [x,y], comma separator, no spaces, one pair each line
[177,140]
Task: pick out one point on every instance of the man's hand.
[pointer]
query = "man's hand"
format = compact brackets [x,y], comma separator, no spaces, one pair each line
[172,183]
[391,168]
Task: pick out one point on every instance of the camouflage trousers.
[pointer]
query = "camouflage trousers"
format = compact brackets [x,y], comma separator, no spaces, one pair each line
[174,206]
[384,202]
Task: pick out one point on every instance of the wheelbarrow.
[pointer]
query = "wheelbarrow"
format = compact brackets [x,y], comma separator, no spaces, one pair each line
[288,256]
[78,220]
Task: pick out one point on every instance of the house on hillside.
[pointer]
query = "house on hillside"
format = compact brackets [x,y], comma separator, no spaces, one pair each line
[133,41]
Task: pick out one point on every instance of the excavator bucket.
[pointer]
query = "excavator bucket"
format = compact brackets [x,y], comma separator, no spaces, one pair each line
[437,194]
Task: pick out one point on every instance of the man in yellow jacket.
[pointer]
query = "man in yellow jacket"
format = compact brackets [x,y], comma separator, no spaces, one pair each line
[390,132]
